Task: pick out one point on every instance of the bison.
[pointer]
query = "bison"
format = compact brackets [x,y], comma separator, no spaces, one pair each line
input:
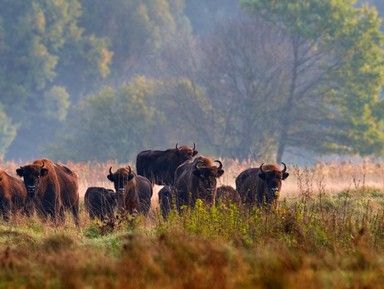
[52,188]
[166,200]
[100,202]
[227,195]
[197,180]
[13,196]
[260,185]
[134,192]
[160,166]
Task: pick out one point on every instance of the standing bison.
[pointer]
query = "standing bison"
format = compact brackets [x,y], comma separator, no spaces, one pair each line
[100,202]
[52,188]
[166,200]
[134,192]
[260,185]
[197,180]
[160,166]
[13,196]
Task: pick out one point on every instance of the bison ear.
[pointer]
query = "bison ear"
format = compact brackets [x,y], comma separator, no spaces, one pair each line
[20,171]
[111,178]
[285,175]
[219,173]
[194,153]
[43,172]
[130,177]
[263,176]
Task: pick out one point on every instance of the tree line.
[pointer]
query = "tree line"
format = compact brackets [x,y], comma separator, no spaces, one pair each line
[94,79]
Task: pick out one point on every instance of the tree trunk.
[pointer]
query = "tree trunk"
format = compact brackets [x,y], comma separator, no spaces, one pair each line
[285,119]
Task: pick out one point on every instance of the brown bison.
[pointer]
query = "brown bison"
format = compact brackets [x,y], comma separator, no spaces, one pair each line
[260,185]
[160,166]
[197,180]
[52,188]
[227,195]
[100,202]
[134,192]
[166,200]
[13,196]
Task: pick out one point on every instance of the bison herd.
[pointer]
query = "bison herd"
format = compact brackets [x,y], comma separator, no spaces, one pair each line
[50,188]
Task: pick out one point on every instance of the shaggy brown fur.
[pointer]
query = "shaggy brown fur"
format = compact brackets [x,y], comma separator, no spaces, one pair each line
[13,196]
[257,186]
[160,166]
[197,180]
[134,192]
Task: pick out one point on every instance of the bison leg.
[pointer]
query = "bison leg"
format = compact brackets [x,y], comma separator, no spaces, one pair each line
[6,209]
[165,204]
[75,214]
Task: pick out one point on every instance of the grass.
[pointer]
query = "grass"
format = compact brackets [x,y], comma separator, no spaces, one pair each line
[336,241]
[316,238]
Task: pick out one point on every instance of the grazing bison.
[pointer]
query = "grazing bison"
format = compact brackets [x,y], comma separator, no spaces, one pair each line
[13,196]
[260,185]
[166,200]
[100,202]
[160,166]
[52,188]
[134,192]
[197,180]
[227,195]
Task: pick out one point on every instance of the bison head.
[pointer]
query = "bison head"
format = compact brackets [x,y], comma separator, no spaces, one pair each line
[206,179]
[120,178]
[273,179]
[32,175]
[185,152]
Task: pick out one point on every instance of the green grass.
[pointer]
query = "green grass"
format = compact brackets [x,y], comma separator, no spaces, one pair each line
[332,241]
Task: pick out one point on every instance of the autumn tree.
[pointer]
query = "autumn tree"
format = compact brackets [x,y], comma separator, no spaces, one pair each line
[335,64]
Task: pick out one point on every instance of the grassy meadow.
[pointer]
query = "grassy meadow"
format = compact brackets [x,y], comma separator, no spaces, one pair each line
[327,231]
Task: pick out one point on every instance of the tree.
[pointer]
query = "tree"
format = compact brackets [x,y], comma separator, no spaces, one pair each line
[43,50]
[336,68]
[110,124]
[134,29]
[7,132]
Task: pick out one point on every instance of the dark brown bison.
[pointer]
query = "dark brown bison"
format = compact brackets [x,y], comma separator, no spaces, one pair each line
[134,192]
[260,185]
[166,200]
[100,202]
[52,188]
[197,180]
[227,195]
[13,196]
[160,166]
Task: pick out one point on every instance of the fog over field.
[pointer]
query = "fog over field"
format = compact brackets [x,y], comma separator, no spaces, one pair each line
[96,80]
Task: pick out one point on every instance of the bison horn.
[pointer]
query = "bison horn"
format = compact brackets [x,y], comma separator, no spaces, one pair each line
[43,165]
[261,168]
[129,170]
[220,164]
[110,171]
[285,168]
[176,146]
[194,146]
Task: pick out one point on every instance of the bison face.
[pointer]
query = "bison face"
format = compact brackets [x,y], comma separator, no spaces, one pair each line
[120,178]
[186,153]
[207,180]
[273,181]
[32,175]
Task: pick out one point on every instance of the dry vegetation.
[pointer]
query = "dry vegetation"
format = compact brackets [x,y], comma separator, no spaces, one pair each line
[326,232]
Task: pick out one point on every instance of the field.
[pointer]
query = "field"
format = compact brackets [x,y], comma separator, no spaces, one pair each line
[326,232]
